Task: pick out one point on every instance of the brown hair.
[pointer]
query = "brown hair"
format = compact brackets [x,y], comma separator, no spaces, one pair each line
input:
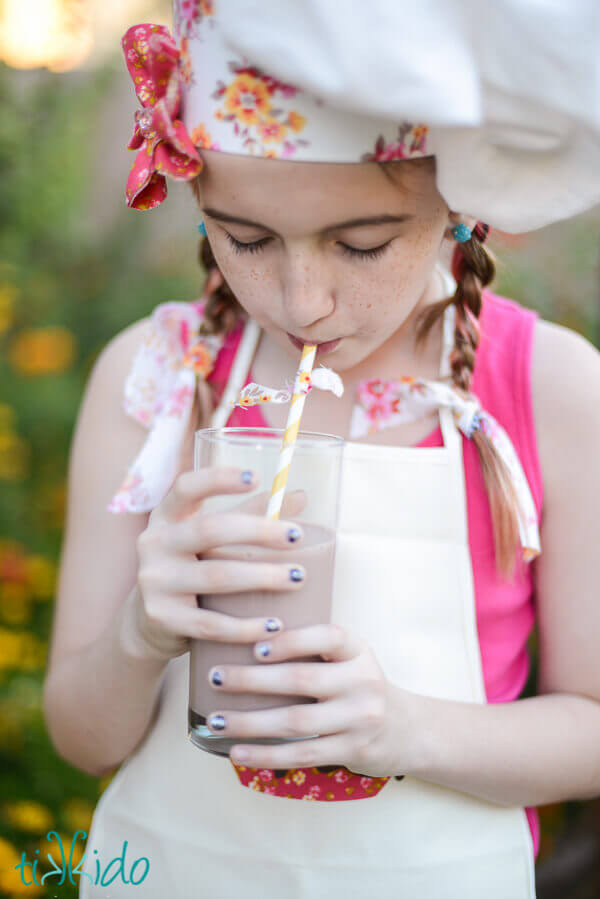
[474,267]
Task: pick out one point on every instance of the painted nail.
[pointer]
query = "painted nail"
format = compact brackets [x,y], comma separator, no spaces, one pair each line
[293,534]
[217,722]
[247,476]
[272,624]
[263,649]
[296,574]
[217,678]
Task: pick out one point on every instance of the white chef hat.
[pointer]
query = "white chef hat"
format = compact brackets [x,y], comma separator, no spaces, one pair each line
[506,96]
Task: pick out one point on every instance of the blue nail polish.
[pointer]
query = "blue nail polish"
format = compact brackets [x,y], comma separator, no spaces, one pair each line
[263,649]
[247,477]
[293,534]
[296,575]
[217,722]
[217,678]
[271,624]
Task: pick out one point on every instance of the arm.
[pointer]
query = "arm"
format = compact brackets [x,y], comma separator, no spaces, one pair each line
[545,748]
[102,699]
[102,684]
[529,752]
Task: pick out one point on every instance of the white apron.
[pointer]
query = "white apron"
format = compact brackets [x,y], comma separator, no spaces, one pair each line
[403,582]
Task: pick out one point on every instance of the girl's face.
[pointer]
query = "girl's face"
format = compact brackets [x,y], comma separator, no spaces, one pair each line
[310,272]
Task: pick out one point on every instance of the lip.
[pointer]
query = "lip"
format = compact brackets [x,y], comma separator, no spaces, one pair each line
[321,347]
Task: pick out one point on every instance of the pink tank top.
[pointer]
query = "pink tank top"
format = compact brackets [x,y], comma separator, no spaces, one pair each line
[502,381]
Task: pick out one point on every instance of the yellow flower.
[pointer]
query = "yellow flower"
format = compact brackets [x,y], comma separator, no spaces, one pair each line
[11,882]
[78,814]
[15,456]
[21,650]
[8,296]
[8,417]
[42,351]
[15,604]
[10,648]
[29,815]
[41,576]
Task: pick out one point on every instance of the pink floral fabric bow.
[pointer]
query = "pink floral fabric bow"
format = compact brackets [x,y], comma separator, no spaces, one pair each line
[165,147]
[159,394]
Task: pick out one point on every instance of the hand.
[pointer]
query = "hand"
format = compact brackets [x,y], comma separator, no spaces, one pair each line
[362,718]
[172,570]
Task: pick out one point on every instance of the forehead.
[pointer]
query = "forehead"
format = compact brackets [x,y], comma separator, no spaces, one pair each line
[259,182]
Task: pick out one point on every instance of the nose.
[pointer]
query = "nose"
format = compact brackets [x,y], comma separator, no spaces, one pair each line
[307,293]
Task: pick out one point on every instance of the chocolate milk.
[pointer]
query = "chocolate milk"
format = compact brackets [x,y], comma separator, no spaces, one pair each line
[307,605]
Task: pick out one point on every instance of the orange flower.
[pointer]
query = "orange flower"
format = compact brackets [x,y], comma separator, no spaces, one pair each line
[247,98]
[200,136]
[271,130]
[42,351]
[295,121]
[198,359]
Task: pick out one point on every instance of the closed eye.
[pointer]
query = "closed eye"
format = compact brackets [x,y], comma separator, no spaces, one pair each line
[350,251]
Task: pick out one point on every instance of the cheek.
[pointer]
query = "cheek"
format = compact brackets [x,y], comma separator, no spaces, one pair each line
[249,279]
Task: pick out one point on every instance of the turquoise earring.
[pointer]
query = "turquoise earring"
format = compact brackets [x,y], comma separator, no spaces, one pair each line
[202,228]
[461,233]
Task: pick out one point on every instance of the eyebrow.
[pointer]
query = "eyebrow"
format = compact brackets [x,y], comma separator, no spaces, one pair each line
[382,219]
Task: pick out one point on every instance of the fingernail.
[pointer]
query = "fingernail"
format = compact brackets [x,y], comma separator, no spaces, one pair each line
[272,624]
[247,476]
[263,649]
[296,574]
[293,534]
[217,722]
[216,678]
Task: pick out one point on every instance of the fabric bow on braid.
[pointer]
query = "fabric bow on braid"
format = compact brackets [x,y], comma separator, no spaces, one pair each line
[159,394]
[383,404]
[164,145]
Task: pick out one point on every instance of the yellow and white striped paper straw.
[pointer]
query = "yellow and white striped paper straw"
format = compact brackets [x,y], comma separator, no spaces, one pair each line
[289,437]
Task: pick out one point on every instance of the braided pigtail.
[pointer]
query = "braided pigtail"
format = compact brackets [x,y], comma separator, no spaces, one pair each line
[474,267]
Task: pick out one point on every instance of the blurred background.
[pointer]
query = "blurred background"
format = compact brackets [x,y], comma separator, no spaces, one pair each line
[77,266]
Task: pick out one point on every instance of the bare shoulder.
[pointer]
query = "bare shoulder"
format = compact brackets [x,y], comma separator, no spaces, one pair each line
[116,357]
[566,405]
[565,382]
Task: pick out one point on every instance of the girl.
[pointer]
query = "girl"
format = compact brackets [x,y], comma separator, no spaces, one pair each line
[427,769]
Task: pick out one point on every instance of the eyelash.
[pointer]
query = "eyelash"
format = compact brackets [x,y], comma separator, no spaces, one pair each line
[350,251]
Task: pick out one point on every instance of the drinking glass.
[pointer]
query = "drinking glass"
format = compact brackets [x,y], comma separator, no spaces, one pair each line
[315,468]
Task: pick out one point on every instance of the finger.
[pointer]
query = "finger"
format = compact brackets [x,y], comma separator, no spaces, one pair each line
[208,576]
[289,722]
[190,488]
[330,641]
[303,754]
[293,503]
[316,679]
[201,624]
[199,533]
